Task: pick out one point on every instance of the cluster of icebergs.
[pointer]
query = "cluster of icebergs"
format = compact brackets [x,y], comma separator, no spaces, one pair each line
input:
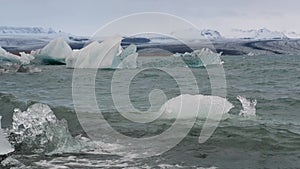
[200,58]
[107,54]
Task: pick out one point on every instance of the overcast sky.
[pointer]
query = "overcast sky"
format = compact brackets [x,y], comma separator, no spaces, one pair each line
[83,17]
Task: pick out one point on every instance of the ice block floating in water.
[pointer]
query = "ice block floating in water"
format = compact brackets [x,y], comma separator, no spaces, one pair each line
[196,106]
[248,106]
[38,130]
[23,59]
[107,54]
[200,58]
[55,52]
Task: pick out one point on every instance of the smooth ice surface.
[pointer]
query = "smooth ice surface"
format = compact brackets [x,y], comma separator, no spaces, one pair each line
[200,58]
[55,51]
[107,54]
[248,106]
[5,147]
[192,106]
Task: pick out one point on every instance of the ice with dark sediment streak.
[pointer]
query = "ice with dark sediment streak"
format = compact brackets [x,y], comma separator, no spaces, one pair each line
[5,146]
[38,130]
[200,58]
[106,55]
[248,106]
[196,106]
[54,52]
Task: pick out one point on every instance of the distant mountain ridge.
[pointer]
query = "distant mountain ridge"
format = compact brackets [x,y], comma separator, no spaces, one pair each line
[251,34]
[6,30]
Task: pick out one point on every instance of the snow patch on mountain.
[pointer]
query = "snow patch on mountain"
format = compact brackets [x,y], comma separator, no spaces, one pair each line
[260,34]
[9,30]
[211,34]
[197,34]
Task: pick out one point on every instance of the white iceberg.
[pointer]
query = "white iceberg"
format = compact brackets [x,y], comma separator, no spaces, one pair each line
[106,55]
[126,59]
[23,59]
[55,51]
[248,106]
[5,147]
[188,106]
[200,58]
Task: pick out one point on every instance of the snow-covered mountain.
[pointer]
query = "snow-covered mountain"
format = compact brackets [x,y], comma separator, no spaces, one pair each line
[292,34]
[193,34]
[28,38]
[211,34]
[9,30]
[260,34]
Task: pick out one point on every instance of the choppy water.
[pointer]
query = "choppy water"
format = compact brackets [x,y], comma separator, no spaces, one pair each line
[269,140]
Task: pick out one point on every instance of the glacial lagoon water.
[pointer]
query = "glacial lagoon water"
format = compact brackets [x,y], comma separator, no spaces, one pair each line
[271,139]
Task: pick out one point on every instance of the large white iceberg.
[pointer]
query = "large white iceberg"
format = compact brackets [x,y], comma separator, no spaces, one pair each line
[22,59]
[5,146]
[188,106]
[200,58]
[107,54]
[54,52]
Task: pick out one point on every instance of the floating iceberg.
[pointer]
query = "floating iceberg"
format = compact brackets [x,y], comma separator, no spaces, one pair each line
[248,106]
[126,59]
[38,130]
[106,55]
[23,59]
[55,52]
[200,58]
[193,106]
[5,147]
